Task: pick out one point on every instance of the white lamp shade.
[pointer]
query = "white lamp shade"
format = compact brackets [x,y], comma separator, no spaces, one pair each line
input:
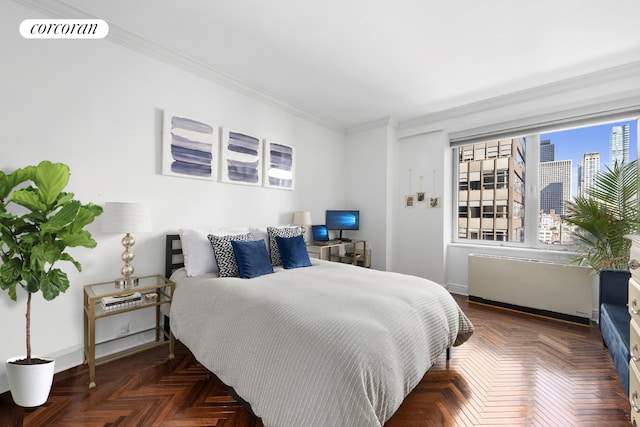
[302,218]
[121,217]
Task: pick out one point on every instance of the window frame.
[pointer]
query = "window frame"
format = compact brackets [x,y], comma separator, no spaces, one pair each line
[531,184]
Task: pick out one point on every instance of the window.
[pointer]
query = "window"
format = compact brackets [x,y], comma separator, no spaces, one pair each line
[502,178]
[474,180]
[487,235]
[488,180]
[487,211]
[502,209]
[514,189]
[463,184]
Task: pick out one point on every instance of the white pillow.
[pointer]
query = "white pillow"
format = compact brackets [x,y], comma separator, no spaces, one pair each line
[260,233]
[197,250]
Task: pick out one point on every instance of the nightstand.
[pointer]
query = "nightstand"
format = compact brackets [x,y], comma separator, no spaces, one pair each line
[94,310]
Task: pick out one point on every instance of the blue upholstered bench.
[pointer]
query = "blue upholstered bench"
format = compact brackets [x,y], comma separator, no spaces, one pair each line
[614,319]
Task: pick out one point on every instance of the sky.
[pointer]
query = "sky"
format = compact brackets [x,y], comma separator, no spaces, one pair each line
[573,144]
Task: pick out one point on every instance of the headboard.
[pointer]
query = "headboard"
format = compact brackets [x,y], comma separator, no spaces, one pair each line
[173,255]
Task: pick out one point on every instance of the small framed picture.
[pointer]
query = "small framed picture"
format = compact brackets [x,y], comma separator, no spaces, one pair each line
[409,201]
[421,197]
[434,202]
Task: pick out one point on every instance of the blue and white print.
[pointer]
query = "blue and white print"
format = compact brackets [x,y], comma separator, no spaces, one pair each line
[279,166]
[190,147]
[241,158]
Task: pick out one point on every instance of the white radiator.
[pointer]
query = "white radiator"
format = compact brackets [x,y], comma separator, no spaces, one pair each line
[539,287]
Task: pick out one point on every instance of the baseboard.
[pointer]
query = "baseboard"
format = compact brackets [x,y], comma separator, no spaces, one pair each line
[455,288]
[71,357]
[535,311]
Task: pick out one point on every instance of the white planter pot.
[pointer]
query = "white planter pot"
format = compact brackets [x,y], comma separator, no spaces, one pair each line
[30,384]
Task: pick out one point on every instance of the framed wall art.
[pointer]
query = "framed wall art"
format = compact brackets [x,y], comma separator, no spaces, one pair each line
[279,165]
[241,158]
[189,147]
[410,201]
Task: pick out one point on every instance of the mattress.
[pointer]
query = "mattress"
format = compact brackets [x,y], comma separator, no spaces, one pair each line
[326,345]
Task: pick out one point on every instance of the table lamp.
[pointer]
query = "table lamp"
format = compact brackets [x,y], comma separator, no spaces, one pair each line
[121,217]
[302,218]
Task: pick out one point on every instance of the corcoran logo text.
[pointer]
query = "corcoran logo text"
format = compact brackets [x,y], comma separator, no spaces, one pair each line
[64,29]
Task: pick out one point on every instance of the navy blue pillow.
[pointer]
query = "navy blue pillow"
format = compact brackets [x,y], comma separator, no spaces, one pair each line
[293,252]
[252,258]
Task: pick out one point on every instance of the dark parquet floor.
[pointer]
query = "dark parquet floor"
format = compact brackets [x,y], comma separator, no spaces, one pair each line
[517,370]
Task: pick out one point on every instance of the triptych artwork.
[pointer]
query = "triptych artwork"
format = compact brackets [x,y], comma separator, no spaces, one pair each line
[194,148]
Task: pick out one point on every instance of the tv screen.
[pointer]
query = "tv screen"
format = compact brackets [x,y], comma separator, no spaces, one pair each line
[343,220]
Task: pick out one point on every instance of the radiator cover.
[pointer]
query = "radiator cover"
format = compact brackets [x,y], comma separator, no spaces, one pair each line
[538,287]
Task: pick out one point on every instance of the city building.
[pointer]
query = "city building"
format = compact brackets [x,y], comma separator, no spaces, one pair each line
[587,171]
[547,151]
[620,136]
[555,186]
[491,191]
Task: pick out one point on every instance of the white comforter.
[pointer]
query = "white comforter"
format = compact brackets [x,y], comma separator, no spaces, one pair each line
[327,345]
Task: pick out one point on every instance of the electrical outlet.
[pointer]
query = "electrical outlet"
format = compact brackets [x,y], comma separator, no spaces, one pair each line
[123,330]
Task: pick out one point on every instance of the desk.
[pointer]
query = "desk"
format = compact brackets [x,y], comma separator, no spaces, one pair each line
[352,253]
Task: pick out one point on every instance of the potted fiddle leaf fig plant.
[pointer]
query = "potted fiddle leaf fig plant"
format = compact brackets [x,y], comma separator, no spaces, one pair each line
[38,222]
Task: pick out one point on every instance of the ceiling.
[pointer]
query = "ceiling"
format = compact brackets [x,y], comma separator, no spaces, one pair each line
[352,62]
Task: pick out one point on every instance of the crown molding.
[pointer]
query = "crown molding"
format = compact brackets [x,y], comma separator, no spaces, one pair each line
[630,70]
[387,122]
[135,42]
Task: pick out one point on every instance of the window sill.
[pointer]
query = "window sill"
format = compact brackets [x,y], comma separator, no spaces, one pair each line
[552,253]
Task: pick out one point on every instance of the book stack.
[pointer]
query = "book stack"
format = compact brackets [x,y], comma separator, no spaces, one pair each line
[120,302]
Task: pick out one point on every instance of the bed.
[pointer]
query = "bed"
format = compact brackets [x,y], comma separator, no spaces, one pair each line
[329,344]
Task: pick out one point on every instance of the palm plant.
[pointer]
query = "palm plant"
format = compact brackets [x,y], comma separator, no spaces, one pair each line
[607,213]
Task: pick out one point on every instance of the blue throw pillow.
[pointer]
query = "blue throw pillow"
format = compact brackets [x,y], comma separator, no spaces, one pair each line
[252,258]
[293,252]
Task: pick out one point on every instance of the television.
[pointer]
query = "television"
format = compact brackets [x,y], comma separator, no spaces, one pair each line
[342,220]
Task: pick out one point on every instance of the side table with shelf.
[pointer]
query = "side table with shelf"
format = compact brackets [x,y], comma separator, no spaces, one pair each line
[93,311]
[353,254]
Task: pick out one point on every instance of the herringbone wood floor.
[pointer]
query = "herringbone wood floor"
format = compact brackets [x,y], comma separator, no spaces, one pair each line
[517,370]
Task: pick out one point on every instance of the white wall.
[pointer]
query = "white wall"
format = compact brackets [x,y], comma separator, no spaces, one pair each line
[420,236]
[369,187]
[97,106]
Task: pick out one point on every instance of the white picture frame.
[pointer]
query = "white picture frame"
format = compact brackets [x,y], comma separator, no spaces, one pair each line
[241,158]
[190,147]
[279,165]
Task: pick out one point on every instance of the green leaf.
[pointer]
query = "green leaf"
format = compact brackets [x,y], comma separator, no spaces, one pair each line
[33,280]
[12,293]
[66,257]
[82,238]
[54,283]
[10,273]
[62,218]
[63,198]
[86,215]
[9,182]
[51,179]
[29,198]
[43,253]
